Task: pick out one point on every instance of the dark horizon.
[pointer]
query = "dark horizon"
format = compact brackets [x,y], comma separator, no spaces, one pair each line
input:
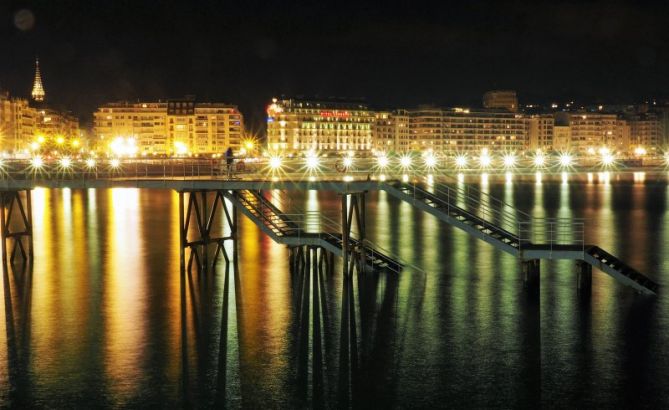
[399,56]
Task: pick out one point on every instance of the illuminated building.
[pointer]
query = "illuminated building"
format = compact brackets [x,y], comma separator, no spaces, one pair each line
[17,123]
[426,125]
[473,130]
[38,93]
[172,127]
[23,122]
[53,123]
[299,126]
[588,130]
[541,132]
[391,132]
[501,99]
[645,131]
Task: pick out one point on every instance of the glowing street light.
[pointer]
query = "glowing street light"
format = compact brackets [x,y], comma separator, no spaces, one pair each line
[509,160]
[115,163]
[65,162]
[607,159]
[275,162]
[565,160]
[640,151]
[34,146]
[37,162]
[430,160]
[348,162]
[90,163]
[461,161]
[539,160]
[383,161]
[405,161]
[312,161]
[60,140]
[180,148]
[484,159]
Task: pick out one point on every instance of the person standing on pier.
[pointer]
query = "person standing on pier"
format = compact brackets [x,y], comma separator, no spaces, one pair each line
[228,161]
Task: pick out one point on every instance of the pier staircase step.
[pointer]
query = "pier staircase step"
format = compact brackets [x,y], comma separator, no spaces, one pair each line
[608,263]
[269,215]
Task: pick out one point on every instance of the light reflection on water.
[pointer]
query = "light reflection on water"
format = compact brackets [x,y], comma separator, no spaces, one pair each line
[106,319]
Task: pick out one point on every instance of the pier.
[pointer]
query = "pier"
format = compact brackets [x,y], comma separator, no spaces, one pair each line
[205,195]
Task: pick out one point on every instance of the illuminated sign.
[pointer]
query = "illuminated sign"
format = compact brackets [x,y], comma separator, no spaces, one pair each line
[335,114]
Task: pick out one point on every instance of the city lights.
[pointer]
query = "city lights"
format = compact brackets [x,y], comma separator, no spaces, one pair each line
[509,160]
[37,162]
[607,159]
[539,160]
[382,161]
[461,161]
[484,159]
[65,162]
[405,161]
[123,147]
[115,163]
[430,160]
[275,162]
[565,160]
[348,162]
[312,161]
[90,163]
[640,151]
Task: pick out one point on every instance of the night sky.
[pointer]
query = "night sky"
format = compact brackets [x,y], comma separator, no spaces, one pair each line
[245,52]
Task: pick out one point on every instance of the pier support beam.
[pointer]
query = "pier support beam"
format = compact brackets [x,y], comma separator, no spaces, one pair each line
[16,226]
[199,209]
[583,277]
[530,270]
[307,258]
[353,212]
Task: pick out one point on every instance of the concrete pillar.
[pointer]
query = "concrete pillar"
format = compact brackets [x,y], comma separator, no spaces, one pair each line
[583,277]
[530,270]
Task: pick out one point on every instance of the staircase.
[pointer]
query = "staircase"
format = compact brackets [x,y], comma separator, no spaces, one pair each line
[291,229]
[608,263]
[510,230]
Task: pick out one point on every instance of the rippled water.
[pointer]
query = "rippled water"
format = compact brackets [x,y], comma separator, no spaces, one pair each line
[105,319]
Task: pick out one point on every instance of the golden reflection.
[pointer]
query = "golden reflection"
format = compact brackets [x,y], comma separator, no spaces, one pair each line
[46,309]
[124,295]
[312,220]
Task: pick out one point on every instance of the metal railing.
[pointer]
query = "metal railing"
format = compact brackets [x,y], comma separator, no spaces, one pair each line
[316,224]
[555,233]
[517,225]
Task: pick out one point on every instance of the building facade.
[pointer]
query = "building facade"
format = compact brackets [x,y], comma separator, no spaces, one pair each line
[501,99]
[17,123]
[391,132]
[299,126]
[173,127]
[645,131]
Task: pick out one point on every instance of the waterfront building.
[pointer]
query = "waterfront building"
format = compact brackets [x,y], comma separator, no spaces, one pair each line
[391,132]
[645,131]
[466,130]
[501,99]
[541,132]
[17,123]
[589,131]
[328,127]
[179,127]
[450,130]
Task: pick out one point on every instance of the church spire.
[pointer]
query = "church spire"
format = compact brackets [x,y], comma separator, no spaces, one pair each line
[38,93]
